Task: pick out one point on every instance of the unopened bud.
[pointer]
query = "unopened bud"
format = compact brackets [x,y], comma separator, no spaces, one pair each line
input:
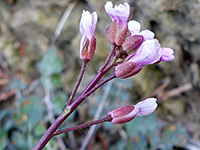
[87,48]
[117,31]
[126,69]
[116,34]
[88,41]
[132,43]
[127,113]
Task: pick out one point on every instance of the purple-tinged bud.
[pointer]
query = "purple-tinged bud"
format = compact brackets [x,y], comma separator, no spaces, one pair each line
[115,34]
[126,70]
[132,43]
[127,113]
[117,31]
[88,41]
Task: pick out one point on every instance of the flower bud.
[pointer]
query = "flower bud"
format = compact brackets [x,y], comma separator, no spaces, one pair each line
[117,31]
[127,113]
[115,34]
[132,43]
[88,41]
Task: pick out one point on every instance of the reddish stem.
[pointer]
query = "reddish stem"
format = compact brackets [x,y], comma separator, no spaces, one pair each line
[78,82]
[69,109]
[99,85]
[109,57]
[105,119]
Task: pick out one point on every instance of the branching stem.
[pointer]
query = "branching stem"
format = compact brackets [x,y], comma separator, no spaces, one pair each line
[88,124]
[71,106]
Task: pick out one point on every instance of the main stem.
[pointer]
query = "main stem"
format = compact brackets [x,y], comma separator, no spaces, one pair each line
[67,111]
[70,108]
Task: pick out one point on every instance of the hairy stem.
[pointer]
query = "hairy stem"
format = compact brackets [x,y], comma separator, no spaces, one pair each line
[108,58]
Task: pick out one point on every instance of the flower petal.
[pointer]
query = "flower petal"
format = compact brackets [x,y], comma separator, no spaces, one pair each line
[167,54]
[134,27]
[88,23]
[146,107]
[148,53]
[119,13]
[147,34]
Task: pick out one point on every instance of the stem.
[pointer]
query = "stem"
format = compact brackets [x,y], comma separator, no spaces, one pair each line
[85,95]
[78,82]
[93,129]
[105,119]
[108,58]
[100,84]
[101,72]
[48,134]
[69,109]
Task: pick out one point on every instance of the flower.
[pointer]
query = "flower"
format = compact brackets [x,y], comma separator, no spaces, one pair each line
[88,41]
[117,31]
[149,52]
[127,113]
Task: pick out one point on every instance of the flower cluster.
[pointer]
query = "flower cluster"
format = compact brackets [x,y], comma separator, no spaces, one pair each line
[141,46]
[135,49]
[132,49]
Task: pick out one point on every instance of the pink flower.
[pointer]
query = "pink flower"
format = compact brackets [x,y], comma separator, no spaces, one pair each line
[149,52]
[127,113]
[88,41]
[117,31]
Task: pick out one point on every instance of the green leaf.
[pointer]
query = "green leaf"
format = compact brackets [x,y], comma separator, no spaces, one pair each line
[175,136]
[59,102]
[46,82]
[50,63]
[141,125]
[19,140]
[56,81]
[3,139]
[33,111]
[39,129]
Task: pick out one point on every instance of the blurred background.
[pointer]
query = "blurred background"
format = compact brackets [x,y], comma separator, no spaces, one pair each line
[39,65]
